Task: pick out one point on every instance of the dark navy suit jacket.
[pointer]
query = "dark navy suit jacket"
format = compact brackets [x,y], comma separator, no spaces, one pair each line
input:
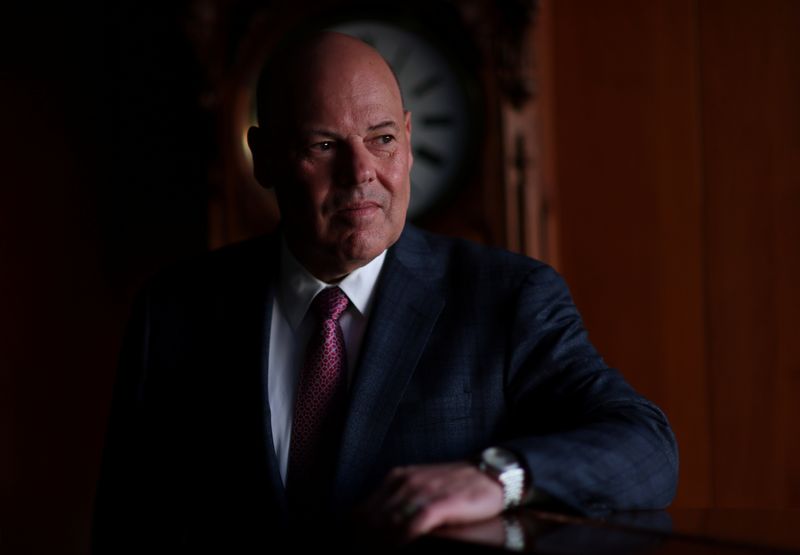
[466,347]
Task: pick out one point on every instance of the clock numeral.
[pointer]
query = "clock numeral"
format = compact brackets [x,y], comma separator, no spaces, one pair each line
[426,86]
[428,155]
[431,121]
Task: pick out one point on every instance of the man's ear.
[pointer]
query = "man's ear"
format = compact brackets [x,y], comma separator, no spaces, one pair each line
[407,122]
[257,141]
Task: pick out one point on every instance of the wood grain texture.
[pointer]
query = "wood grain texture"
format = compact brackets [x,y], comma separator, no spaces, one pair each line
[630,193]
[751,122]
[677,129]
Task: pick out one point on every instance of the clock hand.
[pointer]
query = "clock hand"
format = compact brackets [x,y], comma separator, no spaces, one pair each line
[430,121]
[428,155]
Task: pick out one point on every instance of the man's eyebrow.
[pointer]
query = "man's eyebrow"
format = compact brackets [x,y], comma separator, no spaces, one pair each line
[319,132]
[381,125]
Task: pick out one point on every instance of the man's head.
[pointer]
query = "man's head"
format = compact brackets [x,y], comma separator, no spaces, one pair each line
[334,142]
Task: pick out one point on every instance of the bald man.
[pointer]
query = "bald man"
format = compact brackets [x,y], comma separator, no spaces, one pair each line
[441,382]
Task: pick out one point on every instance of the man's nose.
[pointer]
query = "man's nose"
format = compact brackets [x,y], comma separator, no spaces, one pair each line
[356,165]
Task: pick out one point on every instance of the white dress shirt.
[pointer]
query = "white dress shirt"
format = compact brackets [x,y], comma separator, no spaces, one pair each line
[291,329]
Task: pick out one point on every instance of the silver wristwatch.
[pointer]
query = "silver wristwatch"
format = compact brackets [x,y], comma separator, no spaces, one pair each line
[503,465]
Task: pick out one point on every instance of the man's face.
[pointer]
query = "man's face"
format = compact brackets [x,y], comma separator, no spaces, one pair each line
[343,178]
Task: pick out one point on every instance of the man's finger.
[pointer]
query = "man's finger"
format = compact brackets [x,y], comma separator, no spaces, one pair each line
[445,510]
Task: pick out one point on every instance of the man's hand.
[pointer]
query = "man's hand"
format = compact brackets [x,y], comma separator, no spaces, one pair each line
[414,500]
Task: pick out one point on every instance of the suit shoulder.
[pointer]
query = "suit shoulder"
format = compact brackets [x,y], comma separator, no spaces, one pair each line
[464,257]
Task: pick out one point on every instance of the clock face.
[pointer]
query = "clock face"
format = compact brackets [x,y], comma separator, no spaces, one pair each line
[435,95]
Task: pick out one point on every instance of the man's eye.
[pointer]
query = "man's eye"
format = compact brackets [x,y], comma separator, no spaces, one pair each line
[322,146]
[385,139]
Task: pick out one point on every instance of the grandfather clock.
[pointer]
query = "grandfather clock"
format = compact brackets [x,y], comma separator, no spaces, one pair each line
[468,70]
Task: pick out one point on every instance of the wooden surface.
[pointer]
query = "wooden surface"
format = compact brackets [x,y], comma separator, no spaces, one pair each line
[677,148]
[767,527]
[687,531]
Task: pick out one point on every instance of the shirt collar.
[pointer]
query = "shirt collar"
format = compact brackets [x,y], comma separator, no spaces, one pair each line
[297,287]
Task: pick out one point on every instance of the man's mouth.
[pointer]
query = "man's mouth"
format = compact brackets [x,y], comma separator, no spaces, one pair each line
[356,209]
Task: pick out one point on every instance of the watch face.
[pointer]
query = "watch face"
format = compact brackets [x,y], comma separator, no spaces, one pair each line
[498,458]
[434,93]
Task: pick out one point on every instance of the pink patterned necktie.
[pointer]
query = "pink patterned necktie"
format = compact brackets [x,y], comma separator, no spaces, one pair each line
[318,411]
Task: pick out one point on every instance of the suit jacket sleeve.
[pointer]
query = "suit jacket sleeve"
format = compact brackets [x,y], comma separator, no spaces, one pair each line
[586,436]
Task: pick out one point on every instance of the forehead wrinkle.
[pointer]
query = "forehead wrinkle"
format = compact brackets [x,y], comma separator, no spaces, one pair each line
[352,119]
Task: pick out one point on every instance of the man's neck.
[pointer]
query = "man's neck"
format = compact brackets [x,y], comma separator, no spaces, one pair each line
[321,266]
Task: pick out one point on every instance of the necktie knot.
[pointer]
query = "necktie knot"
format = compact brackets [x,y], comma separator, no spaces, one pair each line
[329,303]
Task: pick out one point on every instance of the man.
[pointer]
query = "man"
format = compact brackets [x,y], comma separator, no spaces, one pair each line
[352,366]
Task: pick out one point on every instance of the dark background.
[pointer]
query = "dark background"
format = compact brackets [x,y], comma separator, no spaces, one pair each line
[103,182]
[671,131]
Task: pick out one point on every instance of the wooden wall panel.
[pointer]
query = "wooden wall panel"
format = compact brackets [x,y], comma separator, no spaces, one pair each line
[751,121]
[630,197]
[677,162]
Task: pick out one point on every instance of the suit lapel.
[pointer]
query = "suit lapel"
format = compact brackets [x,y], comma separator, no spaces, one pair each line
[406,309]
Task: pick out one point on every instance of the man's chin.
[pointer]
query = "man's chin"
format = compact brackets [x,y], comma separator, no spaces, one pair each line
[361,247]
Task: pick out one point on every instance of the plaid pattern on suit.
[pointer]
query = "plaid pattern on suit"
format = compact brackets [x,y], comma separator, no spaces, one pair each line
[466,347]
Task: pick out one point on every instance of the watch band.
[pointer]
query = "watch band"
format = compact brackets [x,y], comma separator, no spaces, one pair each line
[504,466]
[513,482]
[514,534]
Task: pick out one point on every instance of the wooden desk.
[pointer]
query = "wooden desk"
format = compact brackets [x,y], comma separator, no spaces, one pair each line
[677,531]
